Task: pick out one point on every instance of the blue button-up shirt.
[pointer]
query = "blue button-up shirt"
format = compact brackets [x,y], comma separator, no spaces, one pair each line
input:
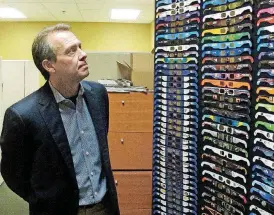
[84,147]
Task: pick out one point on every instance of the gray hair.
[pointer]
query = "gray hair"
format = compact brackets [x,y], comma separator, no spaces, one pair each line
[42,49]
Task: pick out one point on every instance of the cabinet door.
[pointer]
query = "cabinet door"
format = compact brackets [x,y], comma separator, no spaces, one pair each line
[130,151]
[131,112]
[13,73]
[31,77]
[134,192]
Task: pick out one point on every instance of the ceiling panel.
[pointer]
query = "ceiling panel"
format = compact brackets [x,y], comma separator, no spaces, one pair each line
[90,1]
[38,1]
[94,5]
[33,11]
[95,15]
[140,2]
[64,12]
[79,10]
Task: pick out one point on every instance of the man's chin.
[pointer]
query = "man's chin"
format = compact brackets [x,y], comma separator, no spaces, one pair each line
[84,73]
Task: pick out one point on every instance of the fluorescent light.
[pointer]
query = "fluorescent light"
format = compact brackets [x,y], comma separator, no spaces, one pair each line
[11,13]
[125,14]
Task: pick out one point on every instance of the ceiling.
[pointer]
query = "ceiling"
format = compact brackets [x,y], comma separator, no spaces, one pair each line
[78,10]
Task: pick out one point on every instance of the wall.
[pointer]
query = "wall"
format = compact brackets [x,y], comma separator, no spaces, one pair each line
[152,33]
[16,37]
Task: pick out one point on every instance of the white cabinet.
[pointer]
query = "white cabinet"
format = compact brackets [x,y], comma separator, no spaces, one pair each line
[19,79]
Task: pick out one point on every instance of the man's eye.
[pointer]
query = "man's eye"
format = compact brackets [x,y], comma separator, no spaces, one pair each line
[71,51]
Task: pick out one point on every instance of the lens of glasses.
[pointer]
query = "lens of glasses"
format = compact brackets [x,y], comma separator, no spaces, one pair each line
[221,98]
[222,91]
[230,92]
[231,76]
[223,30]
[232,13]
[173,12]
[232,45]
[180,48]
[171,55]
[229,155]
[223,15]
[221,128]
[171,18]
[221,8]
[223,45]
[222,53]
[180,16]
[173,30]
[173,6]
[222,76]
[232,60]
[233,29]
[172,48]
[181,10]
[222,83]
[173,24]
[230,84]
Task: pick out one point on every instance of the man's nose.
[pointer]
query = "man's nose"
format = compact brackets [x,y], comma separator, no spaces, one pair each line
[83,55]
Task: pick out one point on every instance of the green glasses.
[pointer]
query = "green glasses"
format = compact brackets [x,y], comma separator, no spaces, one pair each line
[228,37]
[267,125]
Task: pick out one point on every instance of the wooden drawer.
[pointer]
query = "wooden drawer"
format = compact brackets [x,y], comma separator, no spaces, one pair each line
[130,150]
[131,112]
[134,192]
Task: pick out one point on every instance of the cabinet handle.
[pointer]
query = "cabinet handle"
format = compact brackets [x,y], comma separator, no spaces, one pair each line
[123,102]
[122,140]
[116,182]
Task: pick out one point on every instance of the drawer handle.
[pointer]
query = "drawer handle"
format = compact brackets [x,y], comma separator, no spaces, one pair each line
[122,140]
[123,102]
[116,182]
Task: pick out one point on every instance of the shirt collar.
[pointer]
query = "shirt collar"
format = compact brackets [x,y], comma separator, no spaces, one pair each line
[59,97]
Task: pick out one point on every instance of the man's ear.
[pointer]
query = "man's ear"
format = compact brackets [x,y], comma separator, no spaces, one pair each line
[48,65]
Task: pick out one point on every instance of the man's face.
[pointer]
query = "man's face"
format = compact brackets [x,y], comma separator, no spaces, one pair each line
[70,62]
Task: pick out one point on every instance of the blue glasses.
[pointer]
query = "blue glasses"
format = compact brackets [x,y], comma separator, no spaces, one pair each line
[265,37]
[178,35]
[264,195]
[176,72]
[216,2]
[226,45]
[268,172]
[227,52]
[226,121]
[268,71]
[176,66]
[268,54]
[265,45]
[177,54]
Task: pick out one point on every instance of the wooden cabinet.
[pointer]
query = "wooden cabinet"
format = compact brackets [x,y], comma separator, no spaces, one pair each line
[130,151]
[131,112]
[130,146]
[134,191]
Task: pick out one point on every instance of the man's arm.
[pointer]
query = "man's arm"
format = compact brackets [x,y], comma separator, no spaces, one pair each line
[16,154]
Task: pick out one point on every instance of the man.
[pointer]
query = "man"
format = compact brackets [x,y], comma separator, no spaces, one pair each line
[54,142]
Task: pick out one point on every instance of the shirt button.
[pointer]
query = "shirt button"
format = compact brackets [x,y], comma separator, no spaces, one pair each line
[91,173]
[95,194]
[82,132]
[87,153]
